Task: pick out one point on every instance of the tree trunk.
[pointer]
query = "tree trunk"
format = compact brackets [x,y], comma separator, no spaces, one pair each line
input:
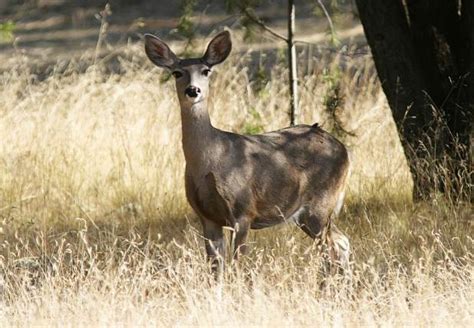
[293,74]
[423,53]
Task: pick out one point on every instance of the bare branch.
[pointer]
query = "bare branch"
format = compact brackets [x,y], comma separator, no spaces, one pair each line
[260,23]
[251,16]
[326,13]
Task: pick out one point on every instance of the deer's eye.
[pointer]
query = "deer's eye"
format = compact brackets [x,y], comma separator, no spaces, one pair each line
[206,72]
[177,74]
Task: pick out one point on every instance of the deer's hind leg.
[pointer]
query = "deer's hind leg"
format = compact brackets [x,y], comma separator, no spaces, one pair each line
[335,244]
[338,243]
[239,237]
[338,250]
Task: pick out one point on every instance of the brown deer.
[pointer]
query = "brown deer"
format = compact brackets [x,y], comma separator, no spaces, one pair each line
[253,181]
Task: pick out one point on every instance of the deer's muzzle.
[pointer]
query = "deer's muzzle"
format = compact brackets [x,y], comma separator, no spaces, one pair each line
[192,91]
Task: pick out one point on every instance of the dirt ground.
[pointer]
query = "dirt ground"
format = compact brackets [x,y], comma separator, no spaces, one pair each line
[48,31]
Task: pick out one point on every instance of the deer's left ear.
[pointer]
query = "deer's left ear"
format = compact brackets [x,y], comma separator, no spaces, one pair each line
[218,49]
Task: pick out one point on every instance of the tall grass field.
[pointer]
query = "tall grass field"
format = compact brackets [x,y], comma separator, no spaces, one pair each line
[95,229]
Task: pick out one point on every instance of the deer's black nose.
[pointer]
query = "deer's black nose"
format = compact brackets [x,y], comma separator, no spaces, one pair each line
[192,91]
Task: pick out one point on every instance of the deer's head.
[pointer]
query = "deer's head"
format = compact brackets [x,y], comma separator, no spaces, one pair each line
[191,74]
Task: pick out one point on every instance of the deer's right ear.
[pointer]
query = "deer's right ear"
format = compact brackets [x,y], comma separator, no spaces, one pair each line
[159,52]
[218,49]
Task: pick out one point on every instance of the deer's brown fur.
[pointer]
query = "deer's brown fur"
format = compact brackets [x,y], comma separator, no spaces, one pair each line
[253,181]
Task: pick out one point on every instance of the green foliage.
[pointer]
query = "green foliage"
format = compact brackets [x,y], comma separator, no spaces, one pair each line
[334,39]
[326,11]
[242,6]
[282,56]
[334,7]
[165,77]
[237,5]
[255,126]
[185,27]
[261,77]
[332,78]
[6,31]
[249,27]
[334,100]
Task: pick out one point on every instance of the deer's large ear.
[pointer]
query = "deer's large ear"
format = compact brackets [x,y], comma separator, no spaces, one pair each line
[218,49]
[159,52]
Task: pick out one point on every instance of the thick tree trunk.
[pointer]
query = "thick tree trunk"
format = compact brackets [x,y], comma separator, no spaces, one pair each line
[423,54]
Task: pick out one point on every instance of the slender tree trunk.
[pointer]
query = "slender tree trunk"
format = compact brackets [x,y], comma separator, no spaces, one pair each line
[423,57]
[293,74]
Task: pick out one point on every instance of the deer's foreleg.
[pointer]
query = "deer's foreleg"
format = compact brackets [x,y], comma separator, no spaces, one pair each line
[215,244]
[339,250]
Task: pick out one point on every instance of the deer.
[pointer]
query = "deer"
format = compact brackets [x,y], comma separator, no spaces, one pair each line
[241,182]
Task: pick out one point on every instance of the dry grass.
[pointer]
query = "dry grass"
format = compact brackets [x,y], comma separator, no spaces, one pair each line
[96,231]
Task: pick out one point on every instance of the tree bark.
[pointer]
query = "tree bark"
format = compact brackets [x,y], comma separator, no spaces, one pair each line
[424,57]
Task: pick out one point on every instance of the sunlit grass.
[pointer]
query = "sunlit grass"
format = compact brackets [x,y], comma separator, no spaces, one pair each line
[95,228]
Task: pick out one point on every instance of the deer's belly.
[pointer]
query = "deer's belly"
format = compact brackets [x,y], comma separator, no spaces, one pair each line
[262,223]
[294,217]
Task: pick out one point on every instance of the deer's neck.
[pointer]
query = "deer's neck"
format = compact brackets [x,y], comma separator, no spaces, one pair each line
[199,136]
